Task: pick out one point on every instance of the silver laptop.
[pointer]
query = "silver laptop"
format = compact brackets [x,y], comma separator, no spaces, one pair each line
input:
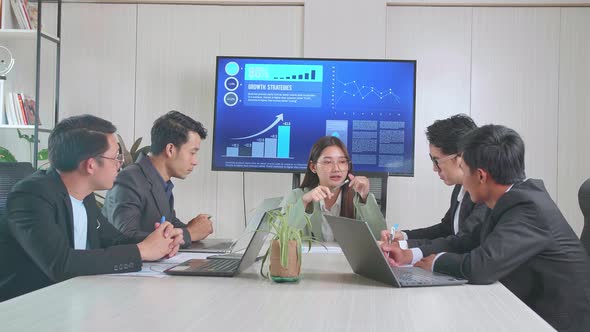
[226,267]
[222,246]
[366,258]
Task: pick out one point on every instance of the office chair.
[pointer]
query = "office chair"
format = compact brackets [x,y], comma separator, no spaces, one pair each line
[10,174]
[584,200]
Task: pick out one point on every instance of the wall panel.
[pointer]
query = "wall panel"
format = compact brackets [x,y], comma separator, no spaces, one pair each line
[176,50]
[574,112]
[440,40]
[515,80]
[98,63]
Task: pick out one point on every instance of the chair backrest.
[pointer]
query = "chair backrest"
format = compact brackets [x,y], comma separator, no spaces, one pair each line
[10,174]
[584,199]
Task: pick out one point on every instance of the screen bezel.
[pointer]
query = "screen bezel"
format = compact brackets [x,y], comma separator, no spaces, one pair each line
[292,171]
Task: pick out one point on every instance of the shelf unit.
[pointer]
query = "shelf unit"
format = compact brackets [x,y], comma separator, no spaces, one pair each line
[30,71]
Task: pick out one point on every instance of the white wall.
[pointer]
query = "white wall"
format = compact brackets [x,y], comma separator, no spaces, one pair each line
[132,63]
[524,67]
[573,153]
[440,40]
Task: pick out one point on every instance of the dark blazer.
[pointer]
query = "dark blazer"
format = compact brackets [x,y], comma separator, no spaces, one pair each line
[527,244]
[138,200]
[37,238]
[441,237]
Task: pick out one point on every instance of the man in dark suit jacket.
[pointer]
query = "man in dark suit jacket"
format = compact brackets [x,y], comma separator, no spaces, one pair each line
[53,230]
[526,243]
[450,236]
[463,216]
[142,193]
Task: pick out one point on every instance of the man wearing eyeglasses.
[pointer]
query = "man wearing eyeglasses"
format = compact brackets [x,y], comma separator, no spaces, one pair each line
[463,217]
[525,242]
[142,194]
[53,229]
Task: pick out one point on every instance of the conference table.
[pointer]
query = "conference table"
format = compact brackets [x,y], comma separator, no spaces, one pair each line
[328,297]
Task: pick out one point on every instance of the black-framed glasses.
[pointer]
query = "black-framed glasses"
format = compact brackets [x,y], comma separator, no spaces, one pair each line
[437,161]
[342,163]
[119,158]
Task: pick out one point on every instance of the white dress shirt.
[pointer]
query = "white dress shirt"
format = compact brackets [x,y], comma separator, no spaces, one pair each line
[80,223]
[417,254]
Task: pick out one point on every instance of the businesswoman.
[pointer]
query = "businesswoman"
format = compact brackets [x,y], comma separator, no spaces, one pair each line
[330,188]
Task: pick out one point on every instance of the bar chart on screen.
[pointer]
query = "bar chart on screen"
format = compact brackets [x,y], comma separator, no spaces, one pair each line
[272,142]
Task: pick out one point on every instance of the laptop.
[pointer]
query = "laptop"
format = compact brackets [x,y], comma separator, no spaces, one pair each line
[366,258]
[226,267]
[222,246]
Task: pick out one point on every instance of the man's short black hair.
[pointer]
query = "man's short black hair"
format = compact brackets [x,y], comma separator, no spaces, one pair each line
[78,138]
[174,127]
[446,134]
[496,149]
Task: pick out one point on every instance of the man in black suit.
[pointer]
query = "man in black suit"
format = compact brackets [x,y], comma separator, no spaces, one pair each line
[142,193]
[53,229]
[463,216]
[526,243]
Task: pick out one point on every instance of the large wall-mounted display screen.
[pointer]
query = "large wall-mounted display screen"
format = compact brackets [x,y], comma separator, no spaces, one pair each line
[270,111]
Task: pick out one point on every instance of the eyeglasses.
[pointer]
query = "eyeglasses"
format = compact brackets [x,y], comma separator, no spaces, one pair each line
[342,163]
[437,161]
[119,158]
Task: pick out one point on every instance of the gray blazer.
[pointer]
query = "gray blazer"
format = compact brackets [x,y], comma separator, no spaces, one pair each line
[137,201]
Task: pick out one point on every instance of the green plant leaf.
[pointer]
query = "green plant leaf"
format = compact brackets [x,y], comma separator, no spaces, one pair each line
[135,145]
[43,154]
[143,150]
[6,156]
[285,229]
[28,138]
[127,159]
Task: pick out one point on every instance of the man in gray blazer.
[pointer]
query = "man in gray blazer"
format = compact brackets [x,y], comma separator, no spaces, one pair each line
[142,194]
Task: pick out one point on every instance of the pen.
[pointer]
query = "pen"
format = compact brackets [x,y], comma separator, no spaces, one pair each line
[163,219]
[392,233]
[340,185]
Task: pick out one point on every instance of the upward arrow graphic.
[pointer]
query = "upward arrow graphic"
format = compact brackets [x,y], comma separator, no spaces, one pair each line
[278,119]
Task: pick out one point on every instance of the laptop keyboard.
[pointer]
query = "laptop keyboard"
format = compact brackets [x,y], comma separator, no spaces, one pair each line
[418,277]
[219,246]
[220,265]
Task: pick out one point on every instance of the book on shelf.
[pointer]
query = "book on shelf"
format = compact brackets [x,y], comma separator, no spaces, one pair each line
[19,110]
[18,115]
[25,13]
[6,118]
[33,13]
[30,106]
[8,112]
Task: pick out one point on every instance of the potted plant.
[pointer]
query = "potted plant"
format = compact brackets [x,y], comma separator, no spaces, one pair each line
[129,157]
[42,154]
[6,156]
[286,246]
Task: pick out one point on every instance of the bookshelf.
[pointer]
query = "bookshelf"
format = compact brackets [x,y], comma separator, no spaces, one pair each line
[34,77]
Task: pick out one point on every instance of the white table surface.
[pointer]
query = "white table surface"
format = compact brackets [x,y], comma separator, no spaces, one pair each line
[329,297]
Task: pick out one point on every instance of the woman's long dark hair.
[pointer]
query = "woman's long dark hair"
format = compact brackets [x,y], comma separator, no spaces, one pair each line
[311,179]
